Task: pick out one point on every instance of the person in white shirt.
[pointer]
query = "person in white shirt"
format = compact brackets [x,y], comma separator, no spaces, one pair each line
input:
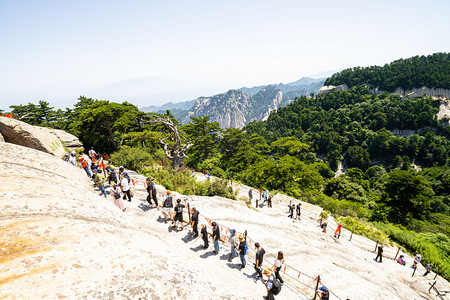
[125,187]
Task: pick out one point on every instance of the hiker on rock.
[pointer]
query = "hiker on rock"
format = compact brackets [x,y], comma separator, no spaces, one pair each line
[216,237]
[279,261]
[233,244]
[99,180]
[401,261]
[266,196]
[324,226]
[115,193]
[204,235]
[269,202]
[111,171]
[417,260]
[92,154]
[194,222]
[291,211]
[125,184]
[337,233]
[298,210]
[259,259]
[428,269]
[85,166]
[243,250]
[273,285]
[250,195]
[380,253]
[73,159]
[178,214]
[151,190]
[167,207]
[323,293]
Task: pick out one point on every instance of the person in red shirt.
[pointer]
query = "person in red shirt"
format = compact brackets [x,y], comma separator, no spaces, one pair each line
[337,233]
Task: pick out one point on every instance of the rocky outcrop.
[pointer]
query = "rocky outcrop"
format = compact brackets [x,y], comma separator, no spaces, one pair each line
[328,88]
[1,138]
[69,140]
[39,138]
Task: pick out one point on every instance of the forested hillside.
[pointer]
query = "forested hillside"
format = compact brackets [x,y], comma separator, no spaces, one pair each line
[432,71]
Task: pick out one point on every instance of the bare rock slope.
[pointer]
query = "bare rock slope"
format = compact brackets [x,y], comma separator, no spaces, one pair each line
[63,240]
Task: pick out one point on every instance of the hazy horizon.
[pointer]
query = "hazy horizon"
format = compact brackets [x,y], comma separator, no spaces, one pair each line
[152,52]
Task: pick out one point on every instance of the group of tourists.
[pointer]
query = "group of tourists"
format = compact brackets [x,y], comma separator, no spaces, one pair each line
[265,197]
[295,208]
[100,172]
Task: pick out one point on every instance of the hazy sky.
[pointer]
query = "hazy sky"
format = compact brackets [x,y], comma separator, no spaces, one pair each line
[152,52]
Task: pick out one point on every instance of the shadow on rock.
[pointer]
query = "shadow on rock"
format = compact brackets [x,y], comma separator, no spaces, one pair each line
[207,254]
[144,207]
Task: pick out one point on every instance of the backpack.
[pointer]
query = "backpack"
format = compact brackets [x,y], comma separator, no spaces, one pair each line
[276,286]
[245,249]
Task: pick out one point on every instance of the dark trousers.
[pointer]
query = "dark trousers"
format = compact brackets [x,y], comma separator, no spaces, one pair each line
[270,295]
[149,200]
[277,274]
[194,228]
[258,271]
[380,256]
[125,194]
[206,244]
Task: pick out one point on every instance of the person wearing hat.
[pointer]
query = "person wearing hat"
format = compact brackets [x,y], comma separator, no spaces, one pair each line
[216,237]
[167,206]
[242,250]
[269,284]
[194,222]
[323,293]
[151,190]
[259,259]
[204,235]
[99,180]
[178,214]
[233,244]
[115,193]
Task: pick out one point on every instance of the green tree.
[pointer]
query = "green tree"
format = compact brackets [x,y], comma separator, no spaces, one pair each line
[407,195]
[206,136]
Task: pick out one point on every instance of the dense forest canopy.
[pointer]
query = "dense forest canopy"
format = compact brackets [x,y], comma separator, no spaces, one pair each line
[432,71]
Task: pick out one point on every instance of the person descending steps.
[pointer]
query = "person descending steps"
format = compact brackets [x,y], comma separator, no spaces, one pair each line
[125,184]
[216,237]
[151,190]
[194,222]
[167,207]
[298,211]
[233,244]
[243,250]
[279,261]
[273,285]
[380,253]
[337,233]
[259,259]
[204,234]
[178,214]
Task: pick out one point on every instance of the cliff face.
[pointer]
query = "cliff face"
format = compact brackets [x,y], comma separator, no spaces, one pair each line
[235,108]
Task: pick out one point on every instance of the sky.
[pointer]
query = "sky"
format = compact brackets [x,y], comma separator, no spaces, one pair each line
[153,52]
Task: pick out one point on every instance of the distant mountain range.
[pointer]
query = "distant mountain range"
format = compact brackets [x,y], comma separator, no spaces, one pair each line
[236,108]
